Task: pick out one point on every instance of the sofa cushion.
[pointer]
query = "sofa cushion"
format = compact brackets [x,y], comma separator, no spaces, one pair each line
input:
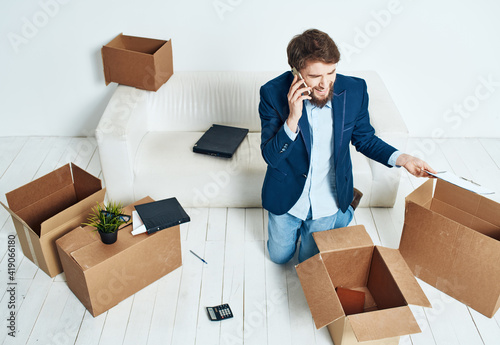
[167,166]
[193,101]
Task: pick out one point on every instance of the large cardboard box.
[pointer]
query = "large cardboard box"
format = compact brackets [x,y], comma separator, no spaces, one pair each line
[49,207]
[451,240]
[102,275]
[348,259]
[136,61]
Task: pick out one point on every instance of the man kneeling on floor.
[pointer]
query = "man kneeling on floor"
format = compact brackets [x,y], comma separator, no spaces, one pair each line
[306,129]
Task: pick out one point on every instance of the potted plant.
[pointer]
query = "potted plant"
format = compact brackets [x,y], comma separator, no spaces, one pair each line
[107,220]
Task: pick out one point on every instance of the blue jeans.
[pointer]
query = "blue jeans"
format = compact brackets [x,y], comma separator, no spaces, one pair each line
[284,232]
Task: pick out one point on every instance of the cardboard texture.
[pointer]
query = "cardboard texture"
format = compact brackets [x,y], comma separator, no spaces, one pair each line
[136,61]
[49,207]
[103,275]
[451,240]
[349,260]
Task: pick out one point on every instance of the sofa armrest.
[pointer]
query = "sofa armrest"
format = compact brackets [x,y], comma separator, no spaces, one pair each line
[390,127]
[119,134]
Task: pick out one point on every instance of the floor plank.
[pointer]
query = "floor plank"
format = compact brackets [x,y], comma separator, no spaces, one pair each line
[9,149]
[234,277]
[90,329]
[254,225]
[28,312]
[165,307]
[21,290]
[278,313]
[425,337]
[255,312]
[141,315]
[489,330]
[199,223]
[216,224]
[208,332]
[116,321]
[235,225]
[301,322]
[449,319]
[492,146]
[186,317]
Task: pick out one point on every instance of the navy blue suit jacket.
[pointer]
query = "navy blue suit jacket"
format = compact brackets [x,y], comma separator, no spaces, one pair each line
[288,161]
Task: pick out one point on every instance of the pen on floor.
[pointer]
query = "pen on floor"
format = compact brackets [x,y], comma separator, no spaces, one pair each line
[198,256]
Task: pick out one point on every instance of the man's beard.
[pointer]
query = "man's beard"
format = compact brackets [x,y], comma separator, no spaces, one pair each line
[320,103]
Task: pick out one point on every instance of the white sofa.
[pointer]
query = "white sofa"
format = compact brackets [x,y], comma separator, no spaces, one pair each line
[146,138]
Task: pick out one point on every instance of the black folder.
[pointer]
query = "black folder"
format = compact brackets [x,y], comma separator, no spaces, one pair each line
[220,141]
[162,214]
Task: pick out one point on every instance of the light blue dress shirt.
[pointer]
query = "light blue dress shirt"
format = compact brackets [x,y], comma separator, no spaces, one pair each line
[319,192]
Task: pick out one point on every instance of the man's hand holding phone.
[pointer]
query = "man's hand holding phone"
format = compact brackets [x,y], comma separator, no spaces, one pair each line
[298,92]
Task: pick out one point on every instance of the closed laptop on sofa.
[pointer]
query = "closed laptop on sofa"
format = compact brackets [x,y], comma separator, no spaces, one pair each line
[220,141]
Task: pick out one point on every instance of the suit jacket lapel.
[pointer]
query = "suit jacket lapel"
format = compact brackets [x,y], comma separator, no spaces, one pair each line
[338,122]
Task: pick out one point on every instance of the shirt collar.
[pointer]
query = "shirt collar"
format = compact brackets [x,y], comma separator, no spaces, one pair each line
[309,106]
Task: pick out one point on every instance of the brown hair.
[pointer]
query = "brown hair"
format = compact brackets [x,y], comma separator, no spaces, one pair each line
[311,45]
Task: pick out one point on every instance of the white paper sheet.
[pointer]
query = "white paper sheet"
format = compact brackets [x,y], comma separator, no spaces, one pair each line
[138,225]
[462,182]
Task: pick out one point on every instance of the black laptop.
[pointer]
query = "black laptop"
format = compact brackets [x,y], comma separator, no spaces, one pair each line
[221,141]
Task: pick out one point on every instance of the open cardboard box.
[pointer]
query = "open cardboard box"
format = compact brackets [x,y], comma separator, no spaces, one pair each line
[136,61]
[451,240]
[349,259]
[49,207]
[102,275]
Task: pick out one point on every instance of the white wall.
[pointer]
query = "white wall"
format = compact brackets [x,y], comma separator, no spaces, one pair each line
[435,56]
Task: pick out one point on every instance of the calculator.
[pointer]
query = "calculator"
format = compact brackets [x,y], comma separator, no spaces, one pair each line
[220,312]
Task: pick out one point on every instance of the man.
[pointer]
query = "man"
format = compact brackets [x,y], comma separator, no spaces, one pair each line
[306,129]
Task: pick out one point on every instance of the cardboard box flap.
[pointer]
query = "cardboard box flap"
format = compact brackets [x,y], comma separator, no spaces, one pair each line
[74,215]
[467,201]
[35,214]
[39,188]
[28,239]
[164,54]
[342,238]
[15,216]
[319,291]
[134,61]
[408,285]
[422,195]
[451,194]
[489,211]
[85,183]
[382,324]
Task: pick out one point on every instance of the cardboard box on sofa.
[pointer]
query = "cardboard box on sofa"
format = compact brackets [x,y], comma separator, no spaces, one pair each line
[451,240]
[102,275]
[49,207]
[349,259]
[136,61]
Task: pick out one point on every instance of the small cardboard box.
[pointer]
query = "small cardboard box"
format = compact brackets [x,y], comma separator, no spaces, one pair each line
[49,207]
[102,275]
[349,259]
[136,61]
[452,241]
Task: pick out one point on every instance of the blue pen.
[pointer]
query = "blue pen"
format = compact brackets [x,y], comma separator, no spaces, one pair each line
[198,257]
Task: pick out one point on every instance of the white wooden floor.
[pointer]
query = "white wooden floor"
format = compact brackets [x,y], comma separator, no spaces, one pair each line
[266,298]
